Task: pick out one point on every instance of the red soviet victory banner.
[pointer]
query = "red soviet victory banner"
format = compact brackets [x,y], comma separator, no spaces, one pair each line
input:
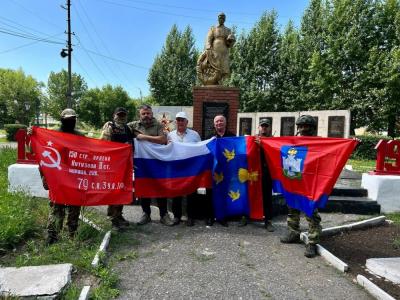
[83,171]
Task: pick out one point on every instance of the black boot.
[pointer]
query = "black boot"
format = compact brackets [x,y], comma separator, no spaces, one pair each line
[311,251]
[291,237]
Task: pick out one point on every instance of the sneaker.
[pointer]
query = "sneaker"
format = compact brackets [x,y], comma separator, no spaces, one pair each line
[144,219]
[291,238]
[269,227]
[166,220]
[311,251]
[176,221]
[123,222]
[190,222]
[243,222]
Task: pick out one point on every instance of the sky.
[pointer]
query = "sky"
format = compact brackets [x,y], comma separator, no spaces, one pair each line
[116,41]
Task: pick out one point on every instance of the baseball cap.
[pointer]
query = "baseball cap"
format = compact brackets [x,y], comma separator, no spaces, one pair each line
[265,122]
[182,115]
[68,113]
[120,110]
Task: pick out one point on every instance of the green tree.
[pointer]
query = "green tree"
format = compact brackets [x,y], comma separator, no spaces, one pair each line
[19,96]
[97,105]
[290,70]
[382,82]
[255,65]
[173,73]
[313,55]
[57,86]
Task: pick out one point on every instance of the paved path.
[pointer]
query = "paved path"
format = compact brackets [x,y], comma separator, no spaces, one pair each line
[223,263]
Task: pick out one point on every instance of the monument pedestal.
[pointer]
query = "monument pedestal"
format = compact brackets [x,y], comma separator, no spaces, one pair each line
[26,178]
[385,189]
[209,101]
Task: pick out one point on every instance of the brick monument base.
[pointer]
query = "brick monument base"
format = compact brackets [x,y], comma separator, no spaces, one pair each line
[209,101]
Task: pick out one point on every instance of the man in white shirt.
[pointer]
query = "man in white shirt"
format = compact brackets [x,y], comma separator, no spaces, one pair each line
[184,135]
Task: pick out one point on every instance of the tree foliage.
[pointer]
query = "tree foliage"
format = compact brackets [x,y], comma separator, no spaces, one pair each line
[173,73]
[255,65]
[19,96]
[345,55]
[57,86]
[97,105]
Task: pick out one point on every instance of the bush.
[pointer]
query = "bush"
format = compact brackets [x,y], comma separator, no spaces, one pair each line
[366,149]
[11,130]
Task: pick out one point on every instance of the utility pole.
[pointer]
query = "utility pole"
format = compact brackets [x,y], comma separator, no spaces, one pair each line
[68,52]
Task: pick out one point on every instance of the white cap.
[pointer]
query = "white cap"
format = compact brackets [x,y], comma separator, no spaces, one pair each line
[182,115]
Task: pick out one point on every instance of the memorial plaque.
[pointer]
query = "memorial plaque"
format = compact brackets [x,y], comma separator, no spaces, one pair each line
[210,110]
[245,126]
[287,126]
[336,126]
[316,127]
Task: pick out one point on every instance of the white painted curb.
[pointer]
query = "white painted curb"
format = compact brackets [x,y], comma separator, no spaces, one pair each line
[373,289]
[102,248]
[332,259]
[84,293]
[357,225]
[337,229]
[90,223]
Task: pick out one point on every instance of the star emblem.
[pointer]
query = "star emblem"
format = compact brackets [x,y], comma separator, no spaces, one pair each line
[49,143]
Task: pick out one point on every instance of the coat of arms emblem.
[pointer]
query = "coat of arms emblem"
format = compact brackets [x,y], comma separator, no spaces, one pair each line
[293,161]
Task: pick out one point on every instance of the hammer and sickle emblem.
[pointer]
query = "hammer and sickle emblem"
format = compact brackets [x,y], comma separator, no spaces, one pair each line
[55,163]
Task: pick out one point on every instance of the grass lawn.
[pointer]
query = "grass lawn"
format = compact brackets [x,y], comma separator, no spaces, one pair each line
[22,239]
[362,166]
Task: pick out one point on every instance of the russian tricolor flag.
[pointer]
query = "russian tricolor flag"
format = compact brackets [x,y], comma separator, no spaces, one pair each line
[172,170]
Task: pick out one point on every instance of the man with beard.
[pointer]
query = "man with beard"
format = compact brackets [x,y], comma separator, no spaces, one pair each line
[152,131]
[117,130]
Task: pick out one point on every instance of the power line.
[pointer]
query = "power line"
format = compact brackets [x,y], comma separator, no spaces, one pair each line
[13,33]
[92,40]
[23,26]
[114,59]
[191,8]
[36,15]
[102,41]
[202,9]
[167,13]
[91,58]
[28,44]
[83,69]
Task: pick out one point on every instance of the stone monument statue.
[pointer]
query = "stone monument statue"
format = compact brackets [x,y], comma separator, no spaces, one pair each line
[213,63]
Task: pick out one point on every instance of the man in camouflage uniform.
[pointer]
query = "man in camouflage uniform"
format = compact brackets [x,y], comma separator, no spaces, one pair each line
[117,130]
[152,131]
[57,211]
[306,126]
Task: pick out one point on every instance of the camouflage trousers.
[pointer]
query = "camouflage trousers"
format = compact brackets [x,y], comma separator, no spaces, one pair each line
[314,226]
[114,212]
[56,219]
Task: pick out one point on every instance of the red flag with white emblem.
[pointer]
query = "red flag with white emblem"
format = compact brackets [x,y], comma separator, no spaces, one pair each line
[83,171]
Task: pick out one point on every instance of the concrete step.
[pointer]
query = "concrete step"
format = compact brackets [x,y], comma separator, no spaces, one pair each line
[349,192]
[352,205]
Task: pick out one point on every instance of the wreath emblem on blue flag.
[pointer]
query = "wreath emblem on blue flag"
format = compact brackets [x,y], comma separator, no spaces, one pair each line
[293,161]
